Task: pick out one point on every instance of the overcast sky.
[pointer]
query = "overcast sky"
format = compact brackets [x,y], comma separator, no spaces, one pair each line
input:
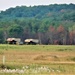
[5,4]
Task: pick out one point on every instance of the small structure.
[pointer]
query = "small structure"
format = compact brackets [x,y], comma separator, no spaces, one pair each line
[13,40]
[32,41]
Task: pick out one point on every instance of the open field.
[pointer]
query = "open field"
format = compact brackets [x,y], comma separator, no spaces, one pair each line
[39,59]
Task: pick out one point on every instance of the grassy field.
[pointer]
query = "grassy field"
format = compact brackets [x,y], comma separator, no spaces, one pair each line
[38,59]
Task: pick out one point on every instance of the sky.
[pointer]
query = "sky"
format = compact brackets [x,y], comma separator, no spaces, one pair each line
[5,4]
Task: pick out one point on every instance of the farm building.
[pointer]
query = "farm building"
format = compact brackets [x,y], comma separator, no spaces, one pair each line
[13,40]
[31,41]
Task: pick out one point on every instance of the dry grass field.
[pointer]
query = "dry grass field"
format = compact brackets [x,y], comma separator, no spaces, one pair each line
[50,59]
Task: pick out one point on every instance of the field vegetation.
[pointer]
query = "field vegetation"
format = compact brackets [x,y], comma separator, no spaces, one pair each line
[37,59]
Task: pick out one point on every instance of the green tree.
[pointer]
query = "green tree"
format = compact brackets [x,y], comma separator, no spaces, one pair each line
[15,31]
[1,36]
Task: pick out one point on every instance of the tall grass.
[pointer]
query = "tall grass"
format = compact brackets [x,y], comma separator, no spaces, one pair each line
[50,59]
[38,47]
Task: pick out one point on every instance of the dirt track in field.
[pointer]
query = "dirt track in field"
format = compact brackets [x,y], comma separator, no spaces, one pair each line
[38,57]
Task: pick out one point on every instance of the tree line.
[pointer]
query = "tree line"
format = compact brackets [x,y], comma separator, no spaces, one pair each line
[51,24]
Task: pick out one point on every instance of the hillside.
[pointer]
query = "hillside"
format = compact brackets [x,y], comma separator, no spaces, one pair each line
[64,11]
[39,22]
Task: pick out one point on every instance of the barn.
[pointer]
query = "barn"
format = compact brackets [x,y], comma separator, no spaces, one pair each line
[31,41]
[13,40]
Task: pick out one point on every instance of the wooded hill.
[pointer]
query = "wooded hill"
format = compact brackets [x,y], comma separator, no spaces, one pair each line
[51,24]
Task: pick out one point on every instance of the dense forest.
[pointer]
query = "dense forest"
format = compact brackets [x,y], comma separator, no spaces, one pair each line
[51,24]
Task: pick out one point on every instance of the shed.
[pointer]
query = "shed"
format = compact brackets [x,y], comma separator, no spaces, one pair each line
[13,40]
[31,41]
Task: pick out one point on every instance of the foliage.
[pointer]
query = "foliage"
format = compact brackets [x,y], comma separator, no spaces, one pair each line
[1,36]
[28,22]
[15,31]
